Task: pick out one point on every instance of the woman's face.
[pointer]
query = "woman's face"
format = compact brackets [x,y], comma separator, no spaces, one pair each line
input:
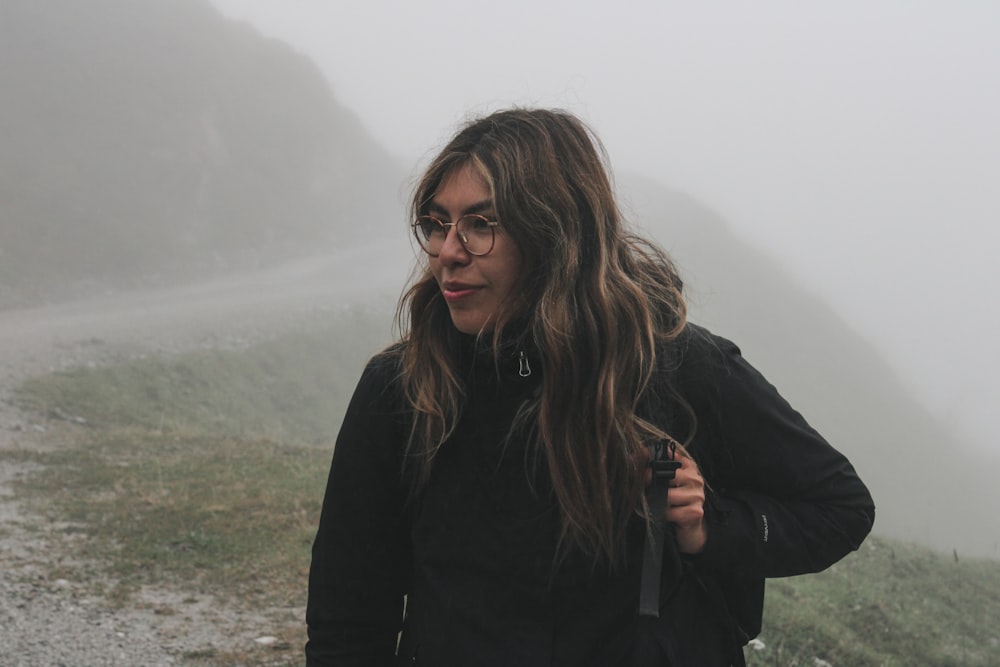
[473,286]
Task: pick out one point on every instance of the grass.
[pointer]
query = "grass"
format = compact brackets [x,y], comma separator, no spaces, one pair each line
[291,390]
[203,473]
[889,604]
[232,515]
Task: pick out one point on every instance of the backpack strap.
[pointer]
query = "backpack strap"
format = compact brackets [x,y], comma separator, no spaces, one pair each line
[664,465]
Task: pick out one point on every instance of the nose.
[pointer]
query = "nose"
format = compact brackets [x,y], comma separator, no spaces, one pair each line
[452,250]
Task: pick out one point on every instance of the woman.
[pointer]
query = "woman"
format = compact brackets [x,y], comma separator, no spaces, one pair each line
[492,466]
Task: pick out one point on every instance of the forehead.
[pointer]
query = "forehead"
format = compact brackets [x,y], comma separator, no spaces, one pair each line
[460,189]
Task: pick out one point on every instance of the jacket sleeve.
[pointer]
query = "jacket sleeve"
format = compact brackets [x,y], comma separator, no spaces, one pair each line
[782,500]
[360,558]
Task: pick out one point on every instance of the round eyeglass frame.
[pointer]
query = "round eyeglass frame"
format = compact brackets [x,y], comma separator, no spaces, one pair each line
[463,238]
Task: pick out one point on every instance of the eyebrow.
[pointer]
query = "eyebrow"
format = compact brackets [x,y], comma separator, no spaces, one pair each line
[478,207]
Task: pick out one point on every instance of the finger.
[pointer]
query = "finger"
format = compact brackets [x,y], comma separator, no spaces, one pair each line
[690,515]
[686,507]
[686,496]
[685,478]
[689,470]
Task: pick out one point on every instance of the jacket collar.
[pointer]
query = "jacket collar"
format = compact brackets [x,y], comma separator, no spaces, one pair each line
[515,357]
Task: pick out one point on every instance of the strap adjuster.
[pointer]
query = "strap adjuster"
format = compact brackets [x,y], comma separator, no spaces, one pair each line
[665,470]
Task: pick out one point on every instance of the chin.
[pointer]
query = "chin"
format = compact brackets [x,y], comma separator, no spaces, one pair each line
[469,329]
[471,325]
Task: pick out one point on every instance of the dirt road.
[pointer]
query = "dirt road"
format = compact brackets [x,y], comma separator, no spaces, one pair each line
[45,621]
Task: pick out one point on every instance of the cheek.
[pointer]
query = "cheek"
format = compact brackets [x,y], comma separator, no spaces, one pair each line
[514,278]
[518,270]
[433,268]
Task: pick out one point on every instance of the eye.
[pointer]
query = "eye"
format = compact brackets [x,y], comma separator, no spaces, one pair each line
[476,224]
[428,227]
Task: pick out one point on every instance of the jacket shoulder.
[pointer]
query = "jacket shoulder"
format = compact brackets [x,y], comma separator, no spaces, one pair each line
[380,377]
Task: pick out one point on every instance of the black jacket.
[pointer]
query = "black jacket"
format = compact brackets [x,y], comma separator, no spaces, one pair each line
[474,553]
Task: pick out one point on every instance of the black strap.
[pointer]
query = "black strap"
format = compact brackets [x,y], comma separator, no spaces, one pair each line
[665,467]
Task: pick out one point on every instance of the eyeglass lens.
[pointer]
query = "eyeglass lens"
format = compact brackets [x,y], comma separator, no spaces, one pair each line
[474,232]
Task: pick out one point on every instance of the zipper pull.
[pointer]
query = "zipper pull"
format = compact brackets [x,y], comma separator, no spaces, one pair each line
[524,369]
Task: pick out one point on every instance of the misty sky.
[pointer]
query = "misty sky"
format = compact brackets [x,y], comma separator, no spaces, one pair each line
[858,142]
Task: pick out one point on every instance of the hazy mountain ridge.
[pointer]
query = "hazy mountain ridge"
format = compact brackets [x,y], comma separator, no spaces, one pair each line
[929,484]
[148,141]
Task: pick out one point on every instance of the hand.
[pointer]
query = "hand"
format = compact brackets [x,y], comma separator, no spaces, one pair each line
[686,506]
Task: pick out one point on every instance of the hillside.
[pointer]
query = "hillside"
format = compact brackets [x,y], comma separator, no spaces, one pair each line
[929,485]
[148,142]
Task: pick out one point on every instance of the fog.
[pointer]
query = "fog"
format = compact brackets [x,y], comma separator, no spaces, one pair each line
[856,142]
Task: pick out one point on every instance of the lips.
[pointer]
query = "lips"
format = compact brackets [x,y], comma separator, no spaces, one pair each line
[454,291]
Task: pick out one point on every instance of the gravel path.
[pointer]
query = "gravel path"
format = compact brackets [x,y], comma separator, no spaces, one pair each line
[46,620]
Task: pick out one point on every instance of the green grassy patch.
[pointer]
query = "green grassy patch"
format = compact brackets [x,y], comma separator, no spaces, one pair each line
[292,389]
[888,605]
[202,472]
[235,516]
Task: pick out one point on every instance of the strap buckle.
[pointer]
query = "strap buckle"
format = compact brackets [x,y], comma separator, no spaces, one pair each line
[664,463]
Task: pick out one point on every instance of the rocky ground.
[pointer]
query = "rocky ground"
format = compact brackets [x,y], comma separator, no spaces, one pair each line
[46,619]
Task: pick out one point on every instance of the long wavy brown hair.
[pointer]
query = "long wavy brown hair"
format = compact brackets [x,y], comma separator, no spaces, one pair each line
[597,302]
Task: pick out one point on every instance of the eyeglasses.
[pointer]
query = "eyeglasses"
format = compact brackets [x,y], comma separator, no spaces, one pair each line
[475,233]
